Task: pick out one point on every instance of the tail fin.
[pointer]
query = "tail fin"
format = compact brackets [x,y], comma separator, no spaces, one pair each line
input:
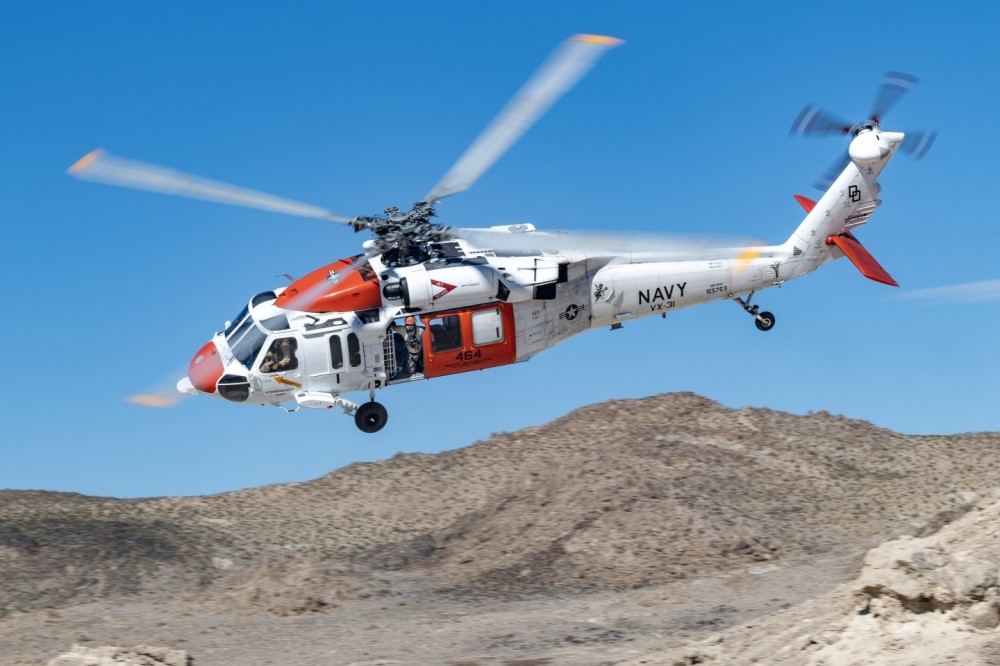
[841,238]
[861,258]
[805,202]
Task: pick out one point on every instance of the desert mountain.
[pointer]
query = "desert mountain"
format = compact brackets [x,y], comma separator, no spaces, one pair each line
[616,499]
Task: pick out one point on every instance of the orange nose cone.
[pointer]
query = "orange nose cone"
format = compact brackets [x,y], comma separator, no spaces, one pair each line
[205,369]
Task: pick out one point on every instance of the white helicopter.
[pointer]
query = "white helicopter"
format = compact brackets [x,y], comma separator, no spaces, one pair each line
[425,300]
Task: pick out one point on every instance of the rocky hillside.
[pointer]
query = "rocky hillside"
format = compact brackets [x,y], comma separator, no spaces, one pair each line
[933,600]
[624,495]
[616,495]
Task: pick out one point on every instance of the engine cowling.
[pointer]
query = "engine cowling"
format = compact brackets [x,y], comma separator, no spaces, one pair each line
[444,287]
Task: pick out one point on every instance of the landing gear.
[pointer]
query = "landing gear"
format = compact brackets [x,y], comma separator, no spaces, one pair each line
[371,417]
[763,320]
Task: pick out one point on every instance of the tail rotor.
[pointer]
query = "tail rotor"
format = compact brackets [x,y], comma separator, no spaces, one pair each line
[818,122]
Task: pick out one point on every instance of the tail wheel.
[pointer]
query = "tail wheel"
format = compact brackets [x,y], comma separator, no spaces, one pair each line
[371,417]
[764,321]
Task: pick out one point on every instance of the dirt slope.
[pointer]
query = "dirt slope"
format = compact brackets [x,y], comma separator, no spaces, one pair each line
[622,496]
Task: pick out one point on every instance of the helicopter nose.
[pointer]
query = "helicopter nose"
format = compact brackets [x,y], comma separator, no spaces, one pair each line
[206,368]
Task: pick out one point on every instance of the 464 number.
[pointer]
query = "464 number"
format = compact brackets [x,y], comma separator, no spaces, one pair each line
[469,355]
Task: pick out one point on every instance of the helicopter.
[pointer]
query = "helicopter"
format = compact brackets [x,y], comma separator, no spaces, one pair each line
[424,300]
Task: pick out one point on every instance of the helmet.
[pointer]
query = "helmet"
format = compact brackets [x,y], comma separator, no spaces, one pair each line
[409,321]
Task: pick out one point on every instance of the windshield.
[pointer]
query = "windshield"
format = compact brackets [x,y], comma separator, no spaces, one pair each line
[236,322]
[247,347]
[245,335]
[245,340]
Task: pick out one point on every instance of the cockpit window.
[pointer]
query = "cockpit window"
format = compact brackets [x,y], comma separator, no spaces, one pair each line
[281,357]
[277,323]
[236,322]
[235,335]
[246,348]
[263,297]
[246,336]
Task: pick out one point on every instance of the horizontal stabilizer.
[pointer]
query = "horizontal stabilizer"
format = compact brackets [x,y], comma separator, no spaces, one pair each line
[805,202]
[861,258]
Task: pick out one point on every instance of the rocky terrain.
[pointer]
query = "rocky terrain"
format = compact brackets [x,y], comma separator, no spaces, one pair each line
[665,530]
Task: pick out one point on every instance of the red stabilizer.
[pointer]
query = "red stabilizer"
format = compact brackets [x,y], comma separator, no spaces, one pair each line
[861,258]
[805,202]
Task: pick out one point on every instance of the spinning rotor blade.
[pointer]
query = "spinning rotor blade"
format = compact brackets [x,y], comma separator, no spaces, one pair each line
[832,172]
[102,167]
[674,244]
[567,65]
[917,143]
[894,86]
[163,394]
[817,121]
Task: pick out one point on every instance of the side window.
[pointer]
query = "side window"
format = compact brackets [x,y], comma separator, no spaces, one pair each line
[487,327]
[281,356]
[446,333]
[353,350]
[336,352]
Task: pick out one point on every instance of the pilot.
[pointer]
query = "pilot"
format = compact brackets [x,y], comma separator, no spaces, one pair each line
[279,357]
[414,347]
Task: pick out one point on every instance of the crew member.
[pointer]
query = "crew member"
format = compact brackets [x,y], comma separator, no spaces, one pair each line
[414,347]
[281,356]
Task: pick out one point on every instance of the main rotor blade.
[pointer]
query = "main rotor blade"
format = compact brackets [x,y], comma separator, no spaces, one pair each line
[587,241]
[163,394]
[103,167]
[894,85]
[814,120]
[557,75]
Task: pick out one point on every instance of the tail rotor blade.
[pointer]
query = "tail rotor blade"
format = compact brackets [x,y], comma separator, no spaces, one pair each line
[816,121]
[103,167]
[557,75]
[894,86]
[917,143]
[833,172]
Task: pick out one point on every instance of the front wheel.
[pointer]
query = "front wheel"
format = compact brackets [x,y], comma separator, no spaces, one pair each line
[764,321]
[371,417]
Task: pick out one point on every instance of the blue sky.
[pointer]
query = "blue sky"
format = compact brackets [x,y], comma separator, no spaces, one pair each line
[357,106]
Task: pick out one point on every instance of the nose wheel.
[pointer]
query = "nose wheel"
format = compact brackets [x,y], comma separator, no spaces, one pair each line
[371,417]
[764,321]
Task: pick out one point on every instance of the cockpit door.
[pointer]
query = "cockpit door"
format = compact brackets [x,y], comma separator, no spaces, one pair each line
[282,365]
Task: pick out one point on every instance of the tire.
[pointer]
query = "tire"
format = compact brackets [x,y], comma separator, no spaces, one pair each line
[768,322]
[371,417]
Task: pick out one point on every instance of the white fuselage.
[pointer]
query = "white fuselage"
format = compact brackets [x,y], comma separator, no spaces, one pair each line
[502,307]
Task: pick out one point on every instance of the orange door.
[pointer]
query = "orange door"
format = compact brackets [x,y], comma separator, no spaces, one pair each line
[468,339]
